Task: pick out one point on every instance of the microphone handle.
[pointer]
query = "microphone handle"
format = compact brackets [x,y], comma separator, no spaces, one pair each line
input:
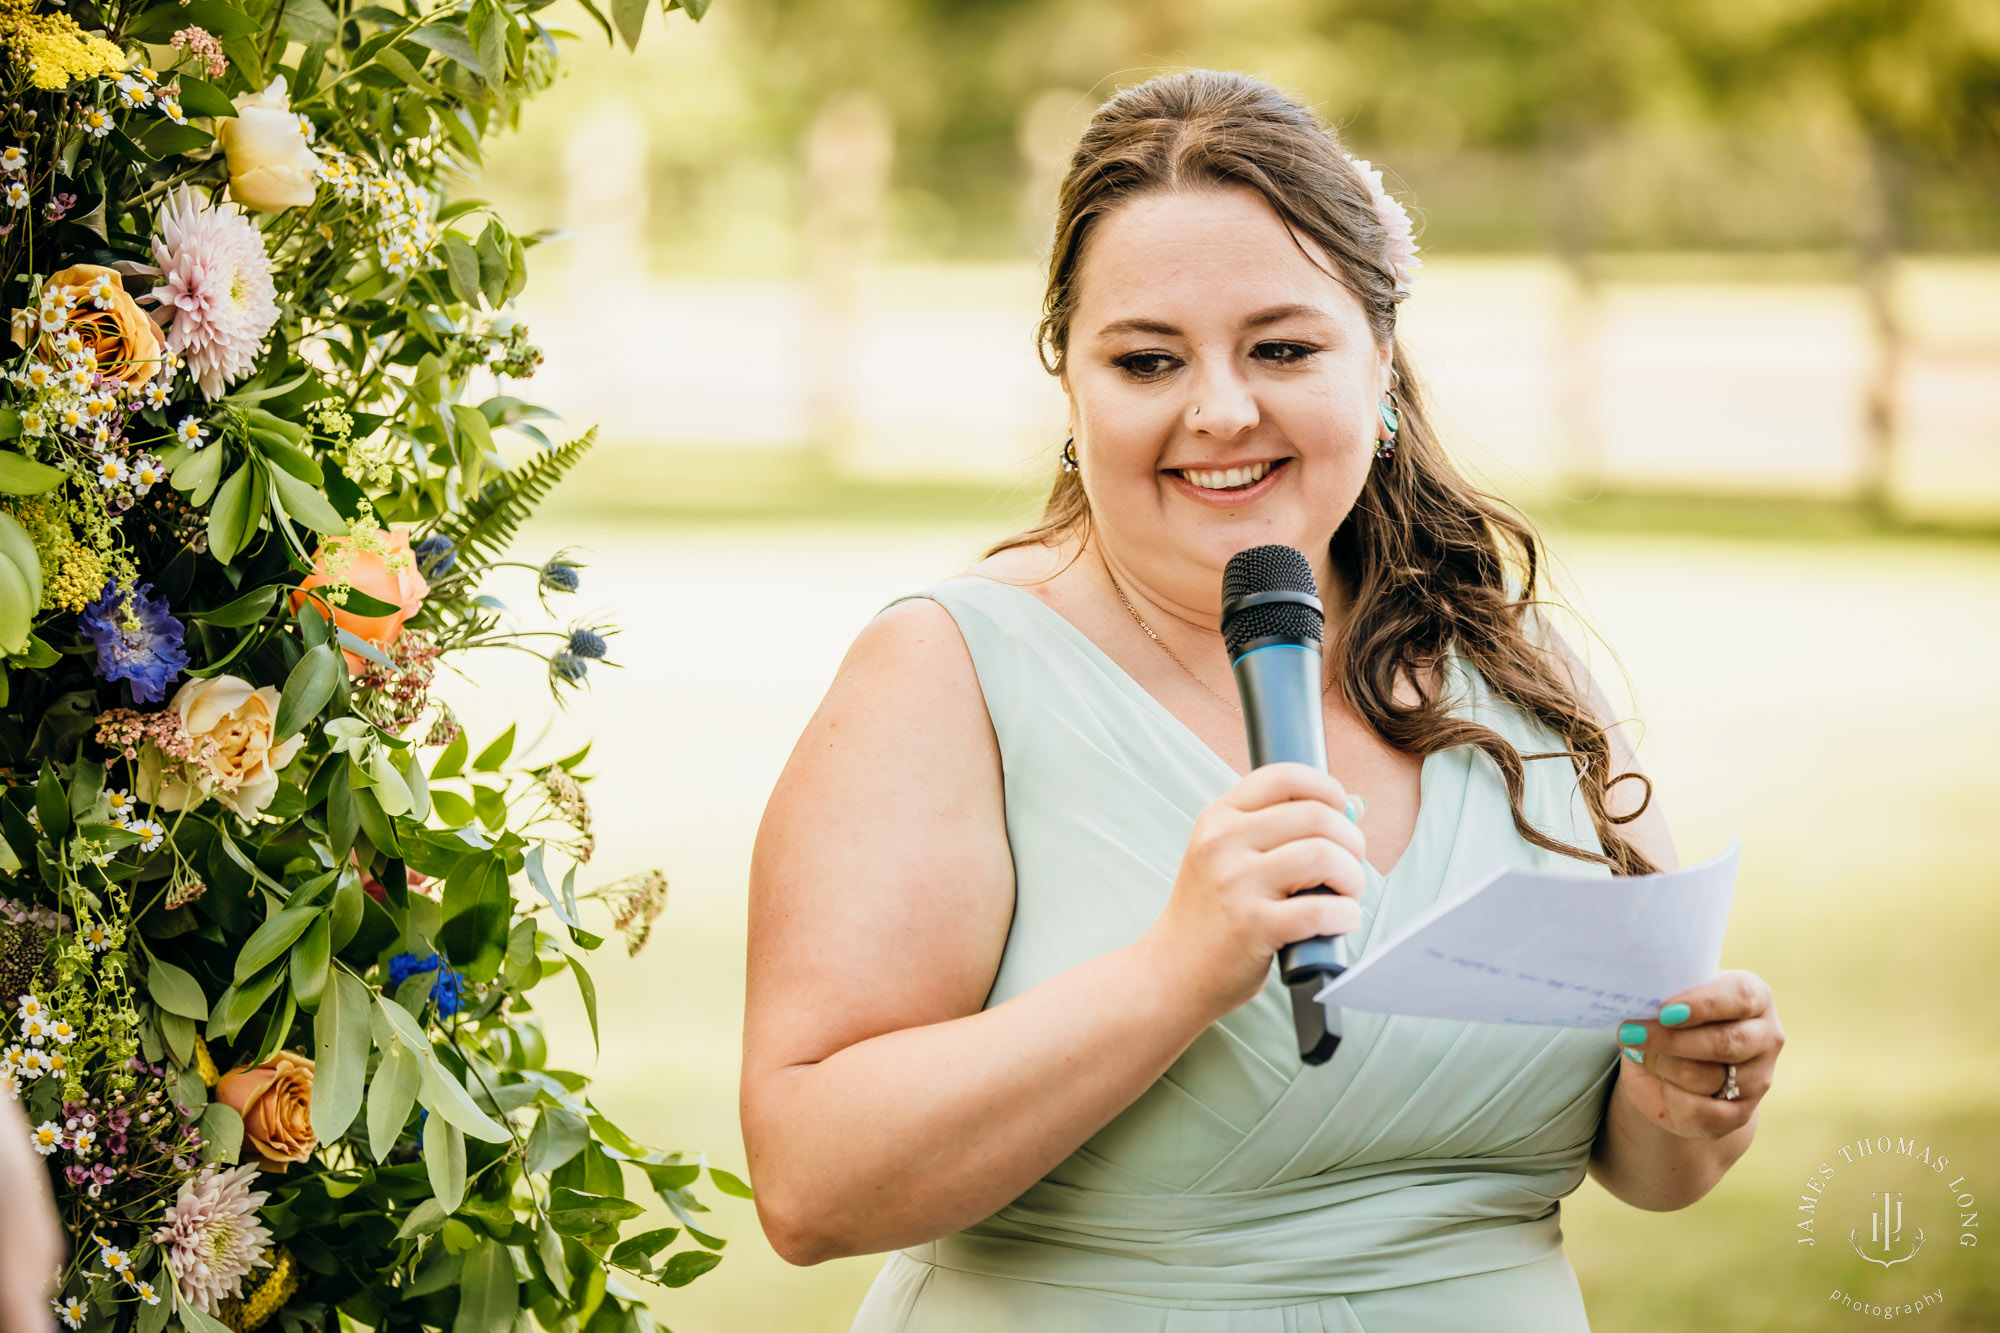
[1279,684]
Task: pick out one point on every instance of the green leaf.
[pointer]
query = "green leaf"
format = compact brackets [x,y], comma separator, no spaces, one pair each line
[462,267]
[24,476]
[392,1093]
[178,1033]
[643,1246]
[452,760]
[630,16]
[391,790]
[311,958]
[730,1184]
[589,990]
[340,1056]
[166,138]
[565,903]
[444,1161]
[197,1322]
[448,40]
[495,754]
[18,604]
[549,1247]
[270,940]
[454,810]
[200,98]
[51,806]
[239,1004]
[425,1218]
[492,248]
[248,609]
[444,1095]
[175,990]
[159,23]
[412,770]
[308,688]
[477,908]
[558,1136]
[221,1133]
[488,1295]
[686,1266]
[197,474]
[575,1213]
[398,64]
[305,503]
[226,518]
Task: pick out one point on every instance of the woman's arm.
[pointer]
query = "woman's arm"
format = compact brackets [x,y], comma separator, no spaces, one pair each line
[1642,1154]
[881,1105]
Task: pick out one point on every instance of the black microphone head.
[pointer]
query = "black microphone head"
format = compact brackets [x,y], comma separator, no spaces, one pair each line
[1268,593]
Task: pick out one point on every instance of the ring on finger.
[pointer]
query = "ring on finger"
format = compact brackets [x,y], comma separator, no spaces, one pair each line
[1728,1092]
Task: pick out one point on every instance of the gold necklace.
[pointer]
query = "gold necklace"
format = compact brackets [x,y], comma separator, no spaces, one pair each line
[1140,621]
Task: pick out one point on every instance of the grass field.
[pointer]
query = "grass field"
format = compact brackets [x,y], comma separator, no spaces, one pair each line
[1834,703]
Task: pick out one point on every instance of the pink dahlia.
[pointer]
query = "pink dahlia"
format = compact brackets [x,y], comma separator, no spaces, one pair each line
[215,287]
[211,1236]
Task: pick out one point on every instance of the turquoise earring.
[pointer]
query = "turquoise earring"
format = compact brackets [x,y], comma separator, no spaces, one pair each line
[1391,423]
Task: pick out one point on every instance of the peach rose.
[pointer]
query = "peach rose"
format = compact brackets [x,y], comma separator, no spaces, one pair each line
[275,1101]
[231,724]
[124,337]
[378,563]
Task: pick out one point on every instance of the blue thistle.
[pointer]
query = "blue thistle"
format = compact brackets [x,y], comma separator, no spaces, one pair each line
[559,577]
[567,666]
[587,643]
[135,638]
[437,555]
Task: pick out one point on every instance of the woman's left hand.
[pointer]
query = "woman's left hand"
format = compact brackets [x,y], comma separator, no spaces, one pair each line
[1674,1062]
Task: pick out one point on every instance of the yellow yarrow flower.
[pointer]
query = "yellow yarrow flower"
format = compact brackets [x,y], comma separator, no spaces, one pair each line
[59,51]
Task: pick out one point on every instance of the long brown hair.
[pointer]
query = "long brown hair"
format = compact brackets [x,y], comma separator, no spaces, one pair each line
[1429,555]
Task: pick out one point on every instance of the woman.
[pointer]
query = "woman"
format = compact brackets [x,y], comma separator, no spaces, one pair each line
[1012,1009]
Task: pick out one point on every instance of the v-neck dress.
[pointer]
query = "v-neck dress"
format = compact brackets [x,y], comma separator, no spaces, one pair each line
[1411,1184]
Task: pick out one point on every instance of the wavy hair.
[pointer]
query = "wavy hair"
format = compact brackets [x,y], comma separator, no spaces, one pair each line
[1436,563]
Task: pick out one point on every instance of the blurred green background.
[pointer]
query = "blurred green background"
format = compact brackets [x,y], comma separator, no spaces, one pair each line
[1711,289]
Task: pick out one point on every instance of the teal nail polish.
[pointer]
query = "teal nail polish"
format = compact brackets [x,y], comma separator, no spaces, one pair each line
[1635,1057]
[1632,1034]
[1675,1013]
[1357,806]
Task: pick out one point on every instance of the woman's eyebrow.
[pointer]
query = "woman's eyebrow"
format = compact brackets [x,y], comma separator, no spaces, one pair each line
[1257,321]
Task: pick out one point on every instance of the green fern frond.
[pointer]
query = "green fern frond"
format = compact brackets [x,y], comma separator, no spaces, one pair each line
[483,529]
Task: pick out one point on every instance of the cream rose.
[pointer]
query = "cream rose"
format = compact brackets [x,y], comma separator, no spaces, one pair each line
[230,724]
[271,167]
[275,1101]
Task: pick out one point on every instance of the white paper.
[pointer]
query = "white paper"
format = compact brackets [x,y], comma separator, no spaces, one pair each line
[1560,950]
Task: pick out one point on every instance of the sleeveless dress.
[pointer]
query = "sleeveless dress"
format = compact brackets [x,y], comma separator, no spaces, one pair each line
[1411,1184]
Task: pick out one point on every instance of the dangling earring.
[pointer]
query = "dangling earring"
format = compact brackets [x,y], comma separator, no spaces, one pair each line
[1386,448]
[1069,463]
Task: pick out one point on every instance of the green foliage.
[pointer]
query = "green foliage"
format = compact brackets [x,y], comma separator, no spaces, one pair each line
[233,857]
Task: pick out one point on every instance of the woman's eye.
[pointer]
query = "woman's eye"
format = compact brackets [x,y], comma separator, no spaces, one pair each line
[1142,365]
[1287,354]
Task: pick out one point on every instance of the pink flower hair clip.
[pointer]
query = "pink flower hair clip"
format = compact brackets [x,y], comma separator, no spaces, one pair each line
[1398,243]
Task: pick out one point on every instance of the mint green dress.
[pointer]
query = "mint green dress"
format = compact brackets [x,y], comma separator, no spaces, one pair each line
[1412,1184]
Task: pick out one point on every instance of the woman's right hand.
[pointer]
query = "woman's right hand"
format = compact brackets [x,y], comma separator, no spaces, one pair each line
[1236,900]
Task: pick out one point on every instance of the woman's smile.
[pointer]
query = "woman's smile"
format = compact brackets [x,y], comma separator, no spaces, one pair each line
[1227,488]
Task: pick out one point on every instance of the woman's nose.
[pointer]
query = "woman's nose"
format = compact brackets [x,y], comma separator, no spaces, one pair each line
[1221,404]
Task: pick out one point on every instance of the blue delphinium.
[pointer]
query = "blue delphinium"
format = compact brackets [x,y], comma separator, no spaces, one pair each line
[135,638]
[447,992]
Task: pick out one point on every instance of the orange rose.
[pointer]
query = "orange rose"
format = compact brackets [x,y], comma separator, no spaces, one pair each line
[275,1101]
[124,337]
[379,564]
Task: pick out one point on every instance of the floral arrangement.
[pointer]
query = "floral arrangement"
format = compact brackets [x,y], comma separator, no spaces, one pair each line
[268,920]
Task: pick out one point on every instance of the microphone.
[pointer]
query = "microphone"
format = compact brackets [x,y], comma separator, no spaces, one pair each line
[1272,626]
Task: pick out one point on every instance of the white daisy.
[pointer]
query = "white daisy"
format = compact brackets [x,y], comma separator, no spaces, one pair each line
[97,938]
[32,1064]
[48,1137]
[34,423]
[120,800]
[155,393]
[13,158]
[146,474]
[96,123]
[62,1032]
[35,1029]
[30,1006]
[17,195]
[82,1141]
[111,471]
[115,1259]
[70,1311]
[191,432]
[171,108]
[147,1294]
[153,830]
